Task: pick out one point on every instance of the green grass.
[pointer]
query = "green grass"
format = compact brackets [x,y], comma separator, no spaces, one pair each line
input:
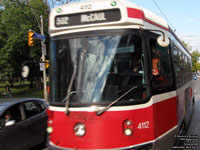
[22,91]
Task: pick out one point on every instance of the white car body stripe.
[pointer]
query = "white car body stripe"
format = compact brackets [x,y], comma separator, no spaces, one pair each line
[153,100]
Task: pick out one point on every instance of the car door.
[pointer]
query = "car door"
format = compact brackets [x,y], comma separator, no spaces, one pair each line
[13,137]
[37,118]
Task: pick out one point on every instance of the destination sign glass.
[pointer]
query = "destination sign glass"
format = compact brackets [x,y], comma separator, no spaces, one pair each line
[94,17]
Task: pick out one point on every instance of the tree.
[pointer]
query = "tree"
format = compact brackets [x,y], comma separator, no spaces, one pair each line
[53,3]
[17,18]
[195,60]
[187,45]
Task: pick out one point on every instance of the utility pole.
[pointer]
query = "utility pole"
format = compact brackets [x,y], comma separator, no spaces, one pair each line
[43,59]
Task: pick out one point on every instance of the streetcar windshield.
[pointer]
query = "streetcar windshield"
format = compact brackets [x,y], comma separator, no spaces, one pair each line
[103,69]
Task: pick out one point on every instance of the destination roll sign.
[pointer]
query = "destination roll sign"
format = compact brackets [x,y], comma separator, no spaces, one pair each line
[88,18]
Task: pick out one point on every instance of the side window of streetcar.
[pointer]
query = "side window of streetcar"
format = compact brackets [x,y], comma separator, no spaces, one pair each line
[183,66]
[161,70]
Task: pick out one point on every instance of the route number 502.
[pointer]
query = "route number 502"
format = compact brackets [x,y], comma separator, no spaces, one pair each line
[143,125]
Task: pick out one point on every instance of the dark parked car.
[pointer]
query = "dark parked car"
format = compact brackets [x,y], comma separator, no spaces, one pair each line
[23,123]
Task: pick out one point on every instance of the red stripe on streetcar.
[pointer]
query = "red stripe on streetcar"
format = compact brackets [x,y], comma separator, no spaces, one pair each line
[155,24]
[139,14]
[135,13]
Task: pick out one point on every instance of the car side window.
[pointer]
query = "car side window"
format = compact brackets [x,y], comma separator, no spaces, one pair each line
[13,113]
[31,109]
[41,105]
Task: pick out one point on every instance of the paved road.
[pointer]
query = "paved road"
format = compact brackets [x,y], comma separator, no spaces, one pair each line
[193,132]
[194,127]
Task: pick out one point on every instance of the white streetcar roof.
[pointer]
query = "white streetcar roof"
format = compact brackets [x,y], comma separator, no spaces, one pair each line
[131,16]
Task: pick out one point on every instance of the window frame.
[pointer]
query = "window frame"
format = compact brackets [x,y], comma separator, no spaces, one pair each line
[169,85]
[108,32]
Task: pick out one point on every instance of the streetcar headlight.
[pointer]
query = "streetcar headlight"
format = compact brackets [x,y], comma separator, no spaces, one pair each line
[79,129]
[50,121]
[128,123]
[128,127]
[128,132]
[49,129]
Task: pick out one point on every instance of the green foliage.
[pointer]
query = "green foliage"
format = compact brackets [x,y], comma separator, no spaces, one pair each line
[16,18]
[53,3]
[195,60]
[187,45]
[21,90]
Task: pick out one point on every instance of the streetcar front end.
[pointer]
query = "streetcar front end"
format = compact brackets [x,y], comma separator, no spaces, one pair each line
[100,83]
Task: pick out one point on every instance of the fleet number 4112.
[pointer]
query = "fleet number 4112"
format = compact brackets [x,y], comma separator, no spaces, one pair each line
[143,125]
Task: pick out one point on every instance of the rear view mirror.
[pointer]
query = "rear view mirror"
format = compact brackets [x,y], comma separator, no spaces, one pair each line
[163,41]
[10,123]
[25,71]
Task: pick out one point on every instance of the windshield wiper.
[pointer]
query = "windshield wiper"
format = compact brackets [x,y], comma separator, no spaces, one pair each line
[69,90]
[101,111]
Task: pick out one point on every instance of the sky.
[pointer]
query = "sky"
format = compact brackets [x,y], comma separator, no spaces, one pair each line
[183,16]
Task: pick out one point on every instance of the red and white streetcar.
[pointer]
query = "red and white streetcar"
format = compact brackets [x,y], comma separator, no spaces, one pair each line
[120,78]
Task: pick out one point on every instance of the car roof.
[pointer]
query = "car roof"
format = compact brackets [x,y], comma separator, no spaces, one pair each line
[9,102]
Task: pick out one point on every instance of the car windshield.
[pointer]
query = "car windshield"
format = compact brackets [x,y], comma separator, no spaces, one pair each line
[103,69]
